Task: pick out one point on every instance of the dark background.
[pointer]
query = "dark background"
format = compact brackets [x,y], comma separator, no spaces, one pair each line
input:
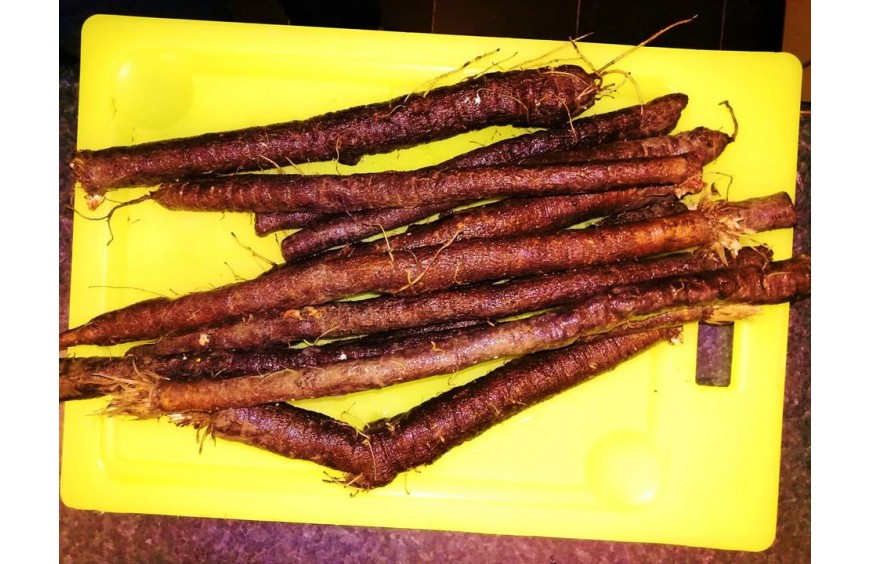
[721,24]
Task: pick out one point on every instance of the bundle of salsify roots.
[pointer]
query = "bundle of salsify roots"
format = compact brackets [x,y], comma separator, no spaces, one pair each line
[497,273]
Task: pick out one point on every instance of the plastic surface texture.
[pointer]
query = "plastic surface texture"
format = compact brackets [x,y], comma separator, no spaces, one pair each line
[640,454]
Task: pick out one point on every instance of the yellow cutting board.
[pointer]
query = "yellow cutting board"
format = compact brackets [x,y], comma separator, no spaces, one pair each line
[642,453]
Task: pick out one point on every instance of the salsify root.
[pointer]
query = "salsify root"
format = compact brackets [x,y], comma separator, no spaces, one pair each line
[91,377]
[515,216]
[657,117]
[335,193]
[530,98]
[374,456]
[705,144]
[265,223]
[434,268]
[338,229]
[659,207]
[777,282]
[480,301]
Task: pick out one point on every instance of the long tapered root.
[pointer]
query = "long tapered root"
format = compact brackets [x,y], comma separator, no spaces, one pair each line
[468,261]
[778,282]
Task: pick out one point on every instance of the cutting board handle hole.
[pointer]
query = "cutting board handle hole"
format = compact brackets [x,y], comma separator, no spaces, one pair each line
[713,359]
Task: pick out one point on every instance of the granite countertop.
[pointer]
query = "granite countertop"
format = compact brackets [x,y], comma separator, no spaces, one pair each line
[94,536]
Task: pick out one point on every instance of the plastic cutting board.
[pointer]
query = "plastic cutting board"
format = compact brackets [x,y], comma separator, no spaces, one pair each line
[640,454]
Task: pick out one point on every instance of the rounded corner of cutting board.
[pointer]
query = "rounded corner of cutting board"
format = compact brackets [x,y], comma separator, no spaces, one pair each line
[763,540]
[97,22]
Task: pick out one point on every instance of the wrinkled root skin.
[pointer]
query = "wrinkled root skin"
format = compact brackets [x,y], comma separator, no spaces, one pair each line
[777,282]
[374,456]
[434,268]
[527,98]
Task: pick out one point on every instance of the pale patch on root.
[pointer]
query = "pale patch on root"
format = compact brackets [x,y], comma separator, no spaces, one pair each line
[134,396]
[728,232]
[727,314]
[677,339]
[107,383]
[693,185]
[94,201]
[727,226]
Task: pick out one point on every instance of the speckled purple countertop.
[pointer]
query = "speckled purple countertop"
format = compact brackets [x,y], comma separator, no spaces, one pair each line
[89,536]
